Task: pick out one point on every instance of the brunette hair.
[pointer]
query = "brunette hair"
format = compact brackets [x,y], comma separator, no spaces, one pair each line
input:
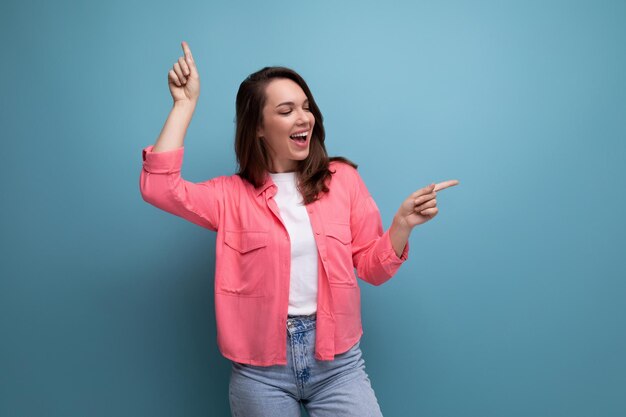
[252,154]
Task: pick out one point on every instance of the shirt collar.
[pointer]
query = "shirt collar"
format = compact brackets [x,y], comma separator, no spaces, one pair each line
[268,182]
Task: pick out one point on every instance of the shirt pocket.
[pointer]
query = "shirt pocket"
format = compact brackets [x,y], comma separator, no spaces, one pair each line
[339,249]
[244,263]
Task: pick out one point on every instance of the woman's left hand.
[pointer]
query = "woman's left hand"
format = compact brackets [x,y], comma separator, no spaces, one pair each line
[421,206]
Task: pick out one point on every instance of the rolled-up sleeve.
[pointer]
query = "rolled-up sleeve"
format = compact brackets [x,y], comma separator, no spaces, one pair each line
[373,255]
[162,186]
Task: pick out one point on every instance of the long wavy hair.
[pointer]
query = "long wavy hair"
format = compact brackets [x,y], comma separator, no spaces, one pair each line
[253,157]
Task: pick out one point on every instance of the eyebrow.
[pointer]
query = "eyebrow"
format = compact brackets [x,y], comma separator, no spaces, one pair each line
[291,102]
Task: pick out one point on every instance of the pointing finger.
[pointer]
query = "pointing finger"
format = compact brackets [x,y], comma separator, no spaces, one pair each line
[187,51]
[446,184]
[191,64]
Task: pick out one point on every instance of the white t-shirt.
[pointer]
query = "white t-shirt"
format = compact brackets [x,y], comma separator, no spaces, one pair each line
[303,284]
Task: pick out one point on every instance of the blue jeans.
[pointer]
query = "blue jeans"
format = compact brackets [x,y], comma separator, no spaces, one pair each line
[326,388]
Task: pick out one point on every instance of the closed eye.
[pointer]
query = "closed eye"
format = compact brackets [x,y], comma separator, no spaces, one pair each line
[283,113]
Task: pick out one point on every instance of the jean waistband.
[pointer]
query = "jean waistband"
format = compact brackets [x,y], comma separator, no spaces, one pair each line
[310,316]
[296,324]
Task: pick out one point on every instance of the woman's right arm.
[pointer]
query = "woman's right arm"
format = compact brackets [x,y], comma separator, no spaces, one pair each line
[160,182]
[184,84]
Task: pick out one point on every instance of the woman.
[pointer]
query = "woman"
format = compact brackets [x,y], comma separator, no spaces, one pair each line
[292,225]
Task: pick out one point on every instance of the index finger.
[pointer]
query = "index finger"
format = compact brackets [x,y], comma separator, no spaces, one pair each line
[187,50]
[445,184]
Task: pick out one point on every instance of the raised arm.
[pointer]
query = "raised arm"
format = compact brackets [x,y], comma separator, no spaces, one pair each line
[160,181]
[184,84]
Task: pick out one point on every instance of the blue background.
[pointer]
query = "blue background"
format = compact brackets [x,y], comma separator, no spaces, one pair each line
[512,302]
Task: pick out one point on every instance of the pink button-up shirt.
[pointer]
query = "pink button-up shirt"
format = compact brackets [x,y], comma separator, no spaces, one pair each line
[253,255]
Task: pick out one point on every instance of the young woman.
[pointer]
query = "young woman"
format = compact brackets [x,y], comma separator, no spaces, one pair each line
[292,225]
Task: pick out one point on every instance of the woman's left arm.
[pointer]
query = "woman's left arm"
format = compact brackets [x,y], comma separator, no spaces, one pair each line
[418,208]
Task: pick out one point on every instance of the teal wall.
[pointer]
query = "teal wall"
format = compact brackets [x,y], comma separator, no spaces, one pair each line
[512,302]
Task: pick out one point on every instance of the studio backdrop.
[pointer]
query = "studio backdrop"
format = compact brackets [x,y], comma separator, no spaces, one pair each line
[512,300]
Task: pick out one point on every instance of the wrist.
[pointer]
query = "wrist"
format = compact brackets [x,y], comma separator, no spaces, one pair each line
[400,224]
[399,233]
[187,105]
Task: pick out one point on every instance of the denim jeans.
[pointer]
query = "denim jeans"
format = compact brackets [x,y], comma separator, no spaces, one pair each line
[325,388]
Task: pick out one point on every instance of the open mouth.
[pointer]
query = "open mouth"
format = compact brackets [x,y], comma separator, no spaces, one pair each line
[299,137]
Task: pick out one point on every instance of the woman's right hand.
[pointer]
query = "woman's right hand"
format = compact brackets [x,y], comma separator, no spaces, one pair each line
[183,78]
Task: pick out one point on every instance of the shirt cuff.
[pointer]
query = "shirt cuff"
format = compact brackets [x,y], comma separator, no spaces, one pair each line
[388,256]
[162,162]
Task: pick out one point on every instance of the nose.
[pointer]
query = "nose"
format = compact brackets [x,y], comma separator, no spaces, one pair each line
[303,117]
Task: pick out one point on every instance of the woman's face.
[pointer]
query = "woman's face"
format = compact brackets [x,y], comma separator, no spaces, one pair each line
[286,113]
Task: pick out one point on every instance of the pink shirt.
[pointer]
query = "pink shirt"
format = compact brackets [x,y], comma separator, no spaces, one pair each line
[253,255]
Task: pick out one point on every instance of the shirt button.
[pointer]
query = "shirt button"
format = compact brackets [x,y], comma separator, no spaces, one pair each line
[324,258]
[317,233]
